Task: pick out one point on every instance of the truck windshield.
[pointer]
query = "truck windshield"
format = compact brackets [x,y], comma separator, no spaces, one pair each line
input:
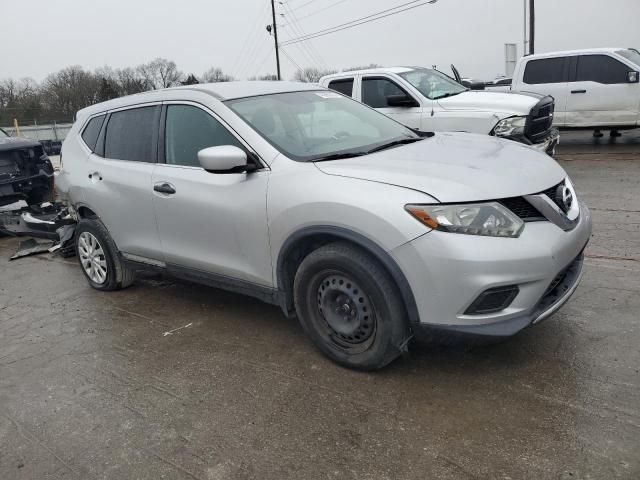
[631,55]
[433,84]
[319,125]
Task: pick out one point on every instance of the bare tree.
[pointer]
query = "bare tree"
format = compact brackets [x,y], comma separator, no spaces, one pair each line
[311,74]
[362,67]
[160,73]
[130,81]
[215,74]
[269,76]
[70,90]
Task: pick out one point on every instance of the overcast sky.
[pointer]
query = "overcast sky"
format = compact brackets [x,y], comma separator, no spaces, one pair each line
[41,36]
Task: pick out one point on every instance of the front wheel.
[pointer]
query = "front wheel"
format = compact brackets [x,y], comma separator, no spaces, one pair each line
[350,307]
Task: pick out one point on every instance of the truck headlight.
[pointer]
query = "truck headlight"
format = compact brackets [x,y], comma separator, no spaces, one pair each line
[510,127]
[488,219]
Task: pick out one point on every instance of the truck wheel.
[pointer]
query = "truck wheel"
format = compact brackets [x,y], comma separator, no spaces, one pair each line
[350,307]
[99,258]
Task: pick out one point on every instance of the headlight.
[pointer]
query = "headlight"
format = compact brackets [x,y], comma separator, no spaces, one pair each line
[510,127]
[488,219]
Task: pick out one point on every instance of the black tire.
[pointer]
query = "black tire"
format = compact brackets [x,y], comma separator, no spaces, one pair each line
[331,284]
[118,274]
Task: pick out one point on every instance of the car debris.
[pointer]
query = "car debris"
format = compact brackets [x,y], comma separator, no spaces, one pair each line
[48,221]
[26,173]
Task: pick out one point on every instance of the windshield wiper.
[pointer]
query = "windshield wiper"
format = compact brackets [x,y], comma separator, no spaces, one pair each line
[448,94]
[395,143]
[338,156]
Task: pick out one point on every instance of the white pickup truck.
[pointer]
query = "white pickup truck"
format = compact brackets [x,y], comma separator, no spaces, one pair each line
[429,101]
[593,89]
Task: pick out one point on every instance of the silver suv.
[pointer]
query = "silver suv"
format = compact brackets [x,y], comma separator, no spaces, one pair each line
[367,232]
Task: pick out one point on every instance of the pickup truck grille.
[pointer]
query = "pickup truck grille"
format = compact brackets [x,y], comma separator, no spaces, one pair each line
[539,120]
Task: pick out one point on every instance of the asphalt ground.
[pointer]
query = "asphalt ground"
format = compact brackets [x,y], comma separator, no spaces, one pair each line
[175,380]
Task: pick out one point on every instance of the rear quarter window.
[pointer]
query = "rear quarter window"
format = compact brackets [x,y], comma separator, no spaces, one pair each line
[91,132]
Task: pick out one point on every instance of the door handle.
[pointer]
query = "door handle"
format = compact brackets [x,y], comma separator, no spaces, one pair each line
[164,188]
[578,91]
[95,175]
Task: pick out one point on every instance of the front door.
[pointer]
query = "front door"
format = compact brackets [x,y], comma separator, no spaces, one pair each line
[600,93]
[210,222]
[375,91]
[118,180]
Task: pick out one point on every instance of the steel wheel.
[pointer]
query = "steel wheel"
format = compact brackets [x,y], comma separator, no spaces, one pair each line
[92,257]
[345,312]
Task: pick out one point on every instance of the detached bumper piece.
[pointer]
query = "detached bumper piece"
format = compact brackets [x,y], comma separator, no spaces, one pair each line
[48,221]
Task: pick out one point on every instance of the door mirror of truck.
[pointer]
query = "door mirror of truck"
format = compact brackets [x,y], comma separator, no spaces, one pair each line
[401,101]
[223,159]
[633,77]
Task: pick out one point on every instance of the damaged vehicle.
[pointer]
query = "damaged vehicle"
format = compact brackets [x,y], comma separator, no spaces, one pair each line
[26,172]
[367,232]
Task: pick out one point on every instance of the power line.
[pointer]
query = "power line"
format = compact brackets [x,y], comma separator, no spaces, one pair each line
[321,10]
[359,21]
[284,52]
[313,54]
[299,6]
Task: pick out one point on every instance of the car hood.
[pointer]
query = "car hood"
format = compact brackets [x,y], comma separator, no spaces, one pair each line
[13,143]
[456,167]
[505,102]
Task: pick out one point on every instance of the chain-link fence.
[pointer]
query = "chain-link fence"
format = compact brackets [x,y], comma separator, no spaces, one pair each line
[50,135]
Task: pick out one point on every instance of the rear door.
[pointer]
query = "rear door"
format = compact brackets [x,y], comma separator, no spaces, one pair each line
[600,93]
[374,92]
[211,222]
[549,76]
[118,179]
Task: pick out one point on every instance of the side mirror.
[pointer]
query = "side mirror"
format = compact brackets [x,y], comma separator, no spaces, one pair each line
[473,84]
[633,77]
[401,101]
[223,159]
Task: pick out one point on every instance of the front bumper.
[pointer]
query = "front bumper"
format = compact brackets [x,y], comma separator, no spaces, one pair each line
[547,145]
[447,272]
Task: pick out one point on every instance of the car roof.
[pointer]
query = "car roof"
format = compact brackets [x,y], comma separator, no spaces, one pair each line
[575,52]
[220,90]
[370,70]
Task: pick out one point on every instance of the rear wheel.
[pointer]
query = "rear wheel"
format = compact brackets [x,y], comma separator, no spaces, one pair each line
[99,258]
[350,307]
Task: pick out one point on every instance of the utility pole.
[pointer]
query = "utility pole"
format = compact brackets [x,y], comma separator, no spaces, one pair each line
[532,26]
[275,36]
[524,28]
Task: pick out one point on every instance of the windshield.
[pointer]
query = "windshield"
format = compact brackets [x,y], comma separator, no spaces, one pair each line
[433,84]
[312,125]
[630,54]
[3,134]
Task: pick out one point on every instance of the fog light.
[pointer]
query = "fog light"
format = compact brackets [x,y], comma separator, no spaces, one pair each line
[493,300]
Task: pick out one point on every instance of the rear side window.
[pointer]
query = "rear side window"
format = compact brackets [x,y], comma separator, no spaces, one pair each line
[546,70]
[131,134]
[344,86]
[188,130]
[91,132]
[601,69]
[376,90]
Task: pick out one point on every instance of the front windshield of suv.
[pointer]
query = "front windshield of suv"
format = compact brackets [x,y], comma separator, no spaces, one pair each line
[630,54]
[432,83]
[319,125]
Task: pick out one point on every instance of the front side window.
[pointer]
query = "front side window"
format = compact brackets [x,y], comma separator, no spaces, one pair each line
[131,134]
[188,130]
[545,70]
[344,86]
[376,90]
[311,125]
[432,83]
[601,69]
[91,132]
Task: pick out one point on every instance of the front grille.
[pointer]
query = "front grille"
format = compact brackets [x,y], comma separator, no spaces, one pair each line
[539,120]
[522,209]
[552,193]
